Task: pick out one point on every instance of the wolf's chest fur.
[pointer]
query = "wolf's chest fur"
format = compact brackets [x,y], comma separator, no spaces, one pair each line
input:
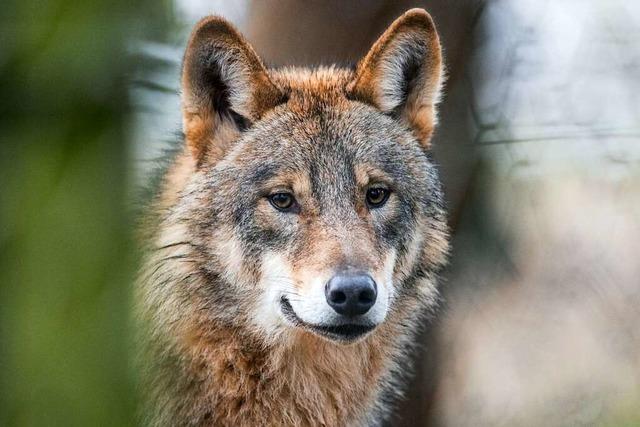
[295,242]
[310,382]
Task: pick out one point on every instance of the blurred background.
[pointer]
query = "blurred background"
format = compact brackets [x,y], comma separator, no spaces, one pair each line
[539,149]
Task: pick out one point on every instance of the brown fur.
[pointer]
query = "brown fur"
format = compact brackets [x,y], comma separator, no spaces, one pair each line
[208,367]
[307,382]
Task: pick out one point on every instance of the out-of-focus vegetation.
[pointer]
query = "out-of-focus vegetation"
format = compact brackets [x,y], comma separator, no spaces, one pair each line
[66,258]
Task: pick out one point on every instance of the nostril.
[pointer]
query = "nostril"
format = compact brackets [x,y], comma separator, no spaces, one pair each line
[338,297]
[366,297]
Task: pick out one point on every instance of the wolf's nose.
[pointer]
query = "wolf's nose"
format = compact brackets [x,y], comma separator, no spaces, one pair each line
[351,294]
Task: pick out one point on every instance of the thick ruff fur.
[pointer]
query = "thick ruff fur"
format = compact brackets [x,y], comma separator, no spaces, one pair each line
[218,348]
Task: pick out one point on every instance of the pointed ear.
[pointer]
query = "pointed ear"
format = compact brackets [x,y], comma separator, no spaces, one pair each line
[225,88]
[402,73]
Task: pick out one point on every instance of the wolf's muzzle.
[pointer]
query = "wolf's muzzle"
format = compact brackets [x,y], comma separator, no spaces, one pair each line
[351,293]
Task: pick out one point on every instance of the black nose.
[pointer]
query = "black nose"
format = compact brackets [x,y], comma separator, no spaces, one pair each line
[351,294]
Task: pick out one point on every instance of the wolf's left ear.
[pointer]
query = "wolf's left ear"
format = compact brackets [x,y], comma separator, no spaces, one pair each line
[402,73]
[225,87]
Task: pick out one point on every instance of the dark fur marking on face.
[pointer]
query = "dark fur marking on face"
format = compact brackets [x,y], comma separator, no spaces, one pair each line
[257,176]
[394,230]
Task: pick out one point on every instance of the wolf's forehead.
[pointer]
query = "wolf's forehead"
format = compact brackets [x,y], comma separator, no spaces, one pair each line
[338,146]
[324,143]
[308,165]
[317,82]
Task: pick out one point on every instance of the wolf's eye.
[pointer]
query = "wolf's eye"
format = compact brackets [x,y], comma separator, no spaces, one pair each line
[377,196]
[282,201]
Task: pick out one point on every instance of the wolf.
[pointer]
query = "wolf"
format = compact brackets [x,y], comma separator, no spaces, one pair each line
[293,246]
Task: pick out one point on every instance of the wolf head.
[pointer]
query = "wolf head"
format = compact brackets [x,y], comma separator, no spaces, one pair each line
[307,197]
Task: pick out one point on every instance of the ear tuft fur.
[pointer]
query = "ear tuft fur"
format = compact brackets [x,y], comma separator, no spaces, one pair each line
[403,72]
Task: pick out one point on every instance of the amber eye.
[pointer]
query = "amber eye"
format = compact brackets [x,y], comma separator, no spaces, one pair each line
[282,201]
[377,196]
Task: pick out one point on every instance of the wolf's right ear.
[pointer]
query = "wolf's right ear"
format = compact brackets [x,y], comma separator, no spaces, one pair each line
[225,87]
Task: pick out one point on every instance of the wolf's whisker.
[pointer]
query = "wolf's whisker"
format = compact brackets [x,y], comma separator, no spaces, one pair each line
[158,264]
[171,245]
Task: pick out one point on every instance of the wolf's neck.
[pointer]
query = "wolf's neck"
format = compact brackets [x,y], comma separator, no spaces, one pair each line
[308,381]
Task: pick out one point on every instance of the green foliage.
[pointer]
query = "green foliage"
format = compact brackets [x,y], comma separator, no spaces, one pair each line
[66,262]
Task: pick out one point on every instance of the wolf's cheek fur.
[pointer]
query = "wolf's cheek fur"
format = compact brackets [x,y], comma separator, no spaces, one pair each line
[229,254]
[275,281]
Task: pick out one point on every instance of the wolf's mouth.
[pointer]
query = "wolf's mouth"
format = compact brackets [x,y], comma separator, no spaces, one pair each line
[347,332]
